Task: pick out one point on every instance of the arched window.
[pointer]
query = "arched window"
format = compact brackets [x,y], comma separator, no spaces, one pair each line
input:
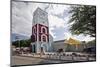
[34,29]
[33,38]
[43,30]
[43,38]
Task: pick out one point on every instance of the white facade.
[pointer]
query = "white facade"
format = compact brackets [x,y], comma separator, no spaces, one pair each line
[50,43]
[40,17]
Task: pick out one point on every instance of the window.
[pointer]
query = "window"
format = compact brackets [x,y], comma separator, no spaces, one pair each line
[43,30]
[44,38]
[33,38]
[34,29]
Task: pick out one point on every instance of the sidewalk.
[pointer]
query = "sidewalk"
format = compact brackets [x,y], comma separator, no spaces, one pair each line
[61,58]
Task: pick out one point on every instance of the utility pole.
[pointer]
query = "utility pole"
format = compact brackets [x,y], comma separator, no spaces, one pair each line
[17,38]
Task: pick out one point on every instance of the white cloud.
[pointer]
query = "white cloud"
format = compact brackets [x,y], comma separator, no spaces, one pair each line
[52,34]
[54,21]
[21,18]
[84,38]
[57,9]
[67,35]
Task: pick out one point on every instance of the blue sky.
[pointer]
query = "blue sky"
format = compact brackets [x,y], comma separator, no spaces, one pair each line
[58,20]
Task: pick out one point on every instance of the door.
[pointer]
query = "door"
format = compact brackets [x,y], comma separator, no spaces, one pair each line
[34,49]
[42,50]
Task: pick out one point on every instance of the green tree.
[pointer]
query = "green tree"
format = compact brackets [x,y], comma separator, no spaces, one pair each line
[15,43]
[93,42]
[83,19]
[22,43]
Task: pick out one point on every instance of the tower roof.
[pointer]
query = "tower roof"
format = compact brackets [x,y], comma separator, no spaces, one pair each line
[40,17]
[39,10]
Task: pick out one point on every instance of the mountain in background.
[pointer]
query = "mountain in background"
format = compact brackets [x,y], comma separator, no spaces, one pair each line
[20,37]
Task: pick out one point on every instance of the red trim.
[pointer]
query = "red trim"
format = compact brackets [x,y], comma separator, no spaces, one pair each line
[34,34]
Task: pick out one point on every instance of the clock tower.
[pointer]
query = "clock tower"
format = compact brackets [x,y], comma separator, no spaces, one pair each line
[40,31]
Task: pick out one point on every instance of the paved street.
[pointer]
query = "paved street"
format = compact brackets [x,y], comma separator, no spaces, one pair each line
[18,60]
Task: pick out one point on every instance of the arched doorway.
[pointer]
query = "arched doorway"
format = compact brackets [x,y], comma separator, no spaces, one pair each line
[43,48]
